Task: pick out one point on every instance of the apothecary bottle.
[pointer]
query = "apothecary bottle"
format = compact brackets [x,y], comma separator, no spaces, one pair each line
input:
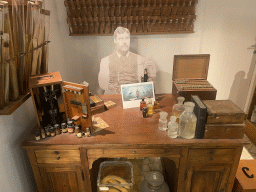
[253,117]
[154,182]
[187,122]
[163,121]
[172,127]
[178,108]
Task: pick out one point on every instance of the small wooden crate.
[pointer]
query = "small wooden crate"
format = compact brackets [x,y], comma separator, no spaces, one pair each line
[242,182]
[190,77]
[51,95]
[223,112]
[225,120]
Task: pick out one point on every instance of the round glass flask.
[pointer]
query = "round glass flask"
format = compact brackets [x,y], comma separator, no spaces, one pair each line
[154,182]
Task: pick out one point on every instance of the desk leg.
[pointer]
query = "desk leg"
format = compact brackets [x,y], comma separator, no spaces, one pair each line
[182,170]
[86,165]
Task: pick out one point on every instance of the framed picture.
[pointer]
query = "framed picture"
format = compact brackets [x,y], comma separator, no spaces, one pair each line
[132,94]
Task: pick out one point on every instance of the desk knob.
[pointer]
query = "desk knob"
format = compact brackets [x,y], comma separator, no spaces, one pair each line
[58,158]
[134,152]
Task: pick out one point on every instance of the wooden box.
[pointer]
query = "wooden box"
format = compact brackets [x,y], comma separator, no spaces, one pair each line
[190,77]
[223,112]
[224,120]
[242,182]
[56,100]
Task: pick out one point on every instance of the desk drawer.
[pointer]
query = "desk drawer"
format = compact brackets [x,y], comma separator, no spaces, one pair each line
[57,156]
[211,155]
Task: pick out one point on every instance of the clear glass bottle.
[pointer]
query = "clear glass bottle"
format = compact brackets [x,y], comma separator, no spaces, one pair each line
[163,121]
[173,127]
[178,108]
[253,117]
[187,122]
[154,182]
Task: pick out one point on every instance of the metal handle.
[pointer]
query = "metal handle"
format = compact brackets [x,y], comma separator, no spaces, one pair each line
[134,152]
[244,169]
[56,152]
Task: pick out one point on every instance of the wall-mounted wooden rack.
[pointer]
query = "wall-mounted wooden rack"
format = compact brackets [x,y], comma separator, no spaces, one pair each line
[102,17]
[24,38]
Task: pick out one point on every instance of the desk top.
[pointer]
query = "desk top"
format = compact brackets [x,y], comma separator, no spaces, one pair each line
[127,129]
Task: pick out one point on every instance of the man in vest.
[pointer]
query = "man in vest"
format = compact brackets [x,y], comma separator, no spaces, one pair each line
[123,66]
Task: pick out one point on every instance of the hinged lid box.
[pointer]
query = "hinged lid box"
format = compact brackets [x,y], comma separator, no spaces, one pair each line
[190,66]
[223,112]
[56,100]
[190,77]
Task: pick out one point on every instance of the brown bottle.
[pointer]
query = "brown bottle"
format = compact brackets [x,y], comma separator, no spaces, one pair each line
[143,104]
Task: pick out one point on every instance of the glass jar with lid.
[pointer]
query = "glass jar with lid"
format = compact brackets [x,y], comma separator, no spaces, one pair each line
[187,122]
[178,108]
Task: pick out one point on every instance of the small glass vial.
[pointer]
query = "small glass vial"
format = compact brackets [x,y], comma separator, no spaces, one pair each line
[187,122]
[52,130]
[87,132]
[178,108]
[37,135]
[163,121]
[173,127]
[64,128]
[144,112]
[79,135]
[57,129]
[47,129]
[70,127]
[253,117]
[43,133]
[77,129]
[156,104]
[150,108]
[142,103]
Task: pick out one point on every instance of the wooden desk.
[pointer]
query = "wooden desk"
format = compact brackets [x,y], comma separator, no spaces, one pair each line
[64,163]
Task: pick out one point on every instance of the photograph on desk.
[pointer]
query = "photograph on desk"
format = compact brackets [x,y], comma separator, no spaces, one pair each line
[132,94]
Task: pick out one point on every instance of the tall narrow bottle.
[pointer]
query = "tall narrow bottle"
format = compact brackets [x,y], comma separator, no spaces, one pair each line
[178,108]
[187,122]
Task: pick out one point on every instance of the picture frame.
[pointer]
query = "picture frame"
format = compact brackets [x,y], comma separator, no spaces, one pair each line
[132,94]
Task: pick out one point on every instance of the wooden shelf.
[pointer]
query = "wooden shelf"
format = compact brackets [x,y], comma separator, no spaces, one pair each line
[143,33]
[93,17]
[250,130]
[13,105]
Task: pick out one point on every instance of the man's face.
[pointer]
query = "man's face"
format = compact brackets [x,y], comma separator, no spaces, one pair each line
[122,42]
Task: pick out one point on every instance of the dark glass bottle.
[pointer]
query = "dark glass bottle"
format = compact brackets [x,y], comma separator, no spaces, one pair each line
[143,104]
[145,75]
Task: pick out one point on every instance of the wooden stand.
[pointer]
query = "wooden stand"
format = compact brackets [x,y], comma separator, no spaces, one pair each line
[72,100]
